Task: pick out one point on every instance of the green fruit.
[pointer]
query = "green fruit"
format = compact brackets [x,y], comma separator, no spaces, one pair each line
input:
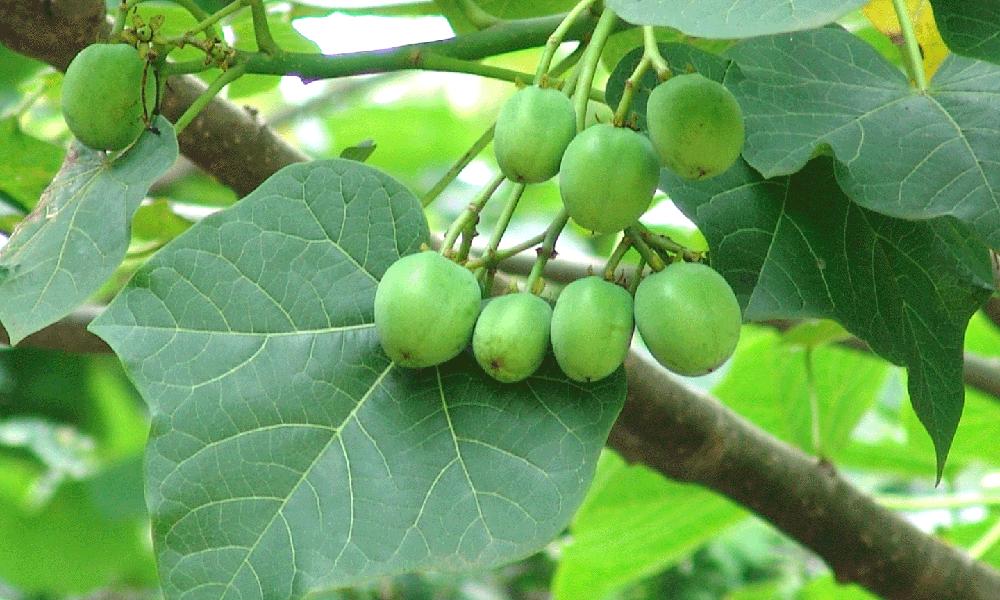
[533,129]
[696,125]
[425,309]
[688,317]
[102,96]
[591,328]
[512,336]
[608,177]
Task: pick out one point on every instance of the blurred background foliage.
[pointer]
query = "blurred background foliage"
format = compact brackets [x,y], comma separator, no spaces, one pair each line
[72,428]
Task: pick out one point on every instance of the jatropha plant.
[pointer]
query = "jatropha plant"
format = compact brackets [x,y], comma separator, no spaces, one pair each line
[337,394]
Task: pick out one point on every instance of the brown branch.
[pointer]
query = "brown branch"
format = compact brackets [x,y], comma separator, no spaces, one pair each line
[691,437]
[684,435]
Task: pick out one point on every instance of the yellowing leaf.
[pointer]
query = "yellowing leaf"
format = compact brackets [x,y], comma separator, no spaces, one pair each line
[883,17]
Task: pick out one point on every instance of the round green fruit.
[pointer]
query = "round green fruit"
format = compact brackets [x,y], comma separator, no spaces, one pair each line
[688,317]
[696,125]
[512,336]
[102,96]
[591,328]
[425,309]
[608,177]
[533,129]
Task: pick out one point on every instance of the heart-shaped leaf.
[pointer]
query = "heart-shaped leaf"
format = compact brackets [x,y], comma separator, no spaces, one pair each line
[288,454]
[970,28]
[79,231]
[797,247]
[901,152]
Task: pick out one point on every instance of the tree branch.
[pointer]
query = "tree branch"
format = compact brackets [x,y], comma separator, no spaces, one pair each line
[692,437]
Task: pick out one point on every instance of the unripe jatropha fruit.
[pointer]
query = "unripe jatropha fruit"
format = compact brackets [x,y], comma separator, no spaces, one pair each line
[591,328]
[608,177]
[425,309]
[696,126]
[689,318]
[512,336]
[102,96]
[533,129]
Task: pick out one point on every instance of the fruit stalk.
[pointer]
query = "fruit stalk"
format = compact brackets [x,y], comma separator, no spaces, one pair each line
[227,77]
[655,262]
[261,30]
[208,23]
[547,250]
[463,161]
[663,242]
[470,213]
[504,221]
[502,255]
[616,257]
[913,55]
[628,94]
[552,44]
[652,50]
[588,65]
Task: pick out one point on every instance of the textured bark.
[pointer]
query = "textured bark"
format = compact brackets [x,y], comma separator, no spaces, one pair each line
[691,437]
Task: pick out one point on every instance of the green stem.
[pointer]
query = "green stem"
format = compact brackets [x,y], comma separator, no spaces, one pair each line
[547,251]
[914,503]
[652,50]
[628,94]
[202,101]
[462,162]
[655,262]
[208,24]
[554,41]
[122,16]
[186,67]
[261,30]
[504,220]
[637,279]
[502,255]
[913,56]
[588,65]
[440,62]
[616,257]
[985,543]
[470,214]
[479,18]
[666,244]
[468,234]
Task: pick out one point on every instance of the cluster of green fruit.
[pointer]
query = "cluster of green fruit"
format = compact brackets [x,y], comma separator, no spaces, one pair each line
[427,309]
[103,97]
[608,174]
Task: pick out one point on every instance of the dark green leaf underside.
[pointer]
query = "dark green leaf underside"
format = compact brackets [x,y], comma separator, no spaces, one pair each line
[901,152]
[288,454]
[970,28]
[795,247]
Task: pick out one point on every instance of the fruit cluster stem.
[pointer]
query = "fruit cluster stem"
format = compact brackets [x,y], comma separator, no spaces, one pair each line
[504,221]
[261,30]
[652,50]
[588,65]
[616,257]
[502,255]
[637,279]
[547,250]
[470,214]
[212,91]
[655,262]
[554,41]
[631,85]
[208,23]
[666,244]
[914,58]
[463,161]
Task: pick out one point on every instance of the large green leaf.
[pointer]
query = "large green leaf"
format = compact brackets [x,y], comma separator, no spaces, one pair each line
[769,382]
[78,233]
[796,247]
[633,524]
[734,18]
[970,28]
[901,152]
[288,454]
